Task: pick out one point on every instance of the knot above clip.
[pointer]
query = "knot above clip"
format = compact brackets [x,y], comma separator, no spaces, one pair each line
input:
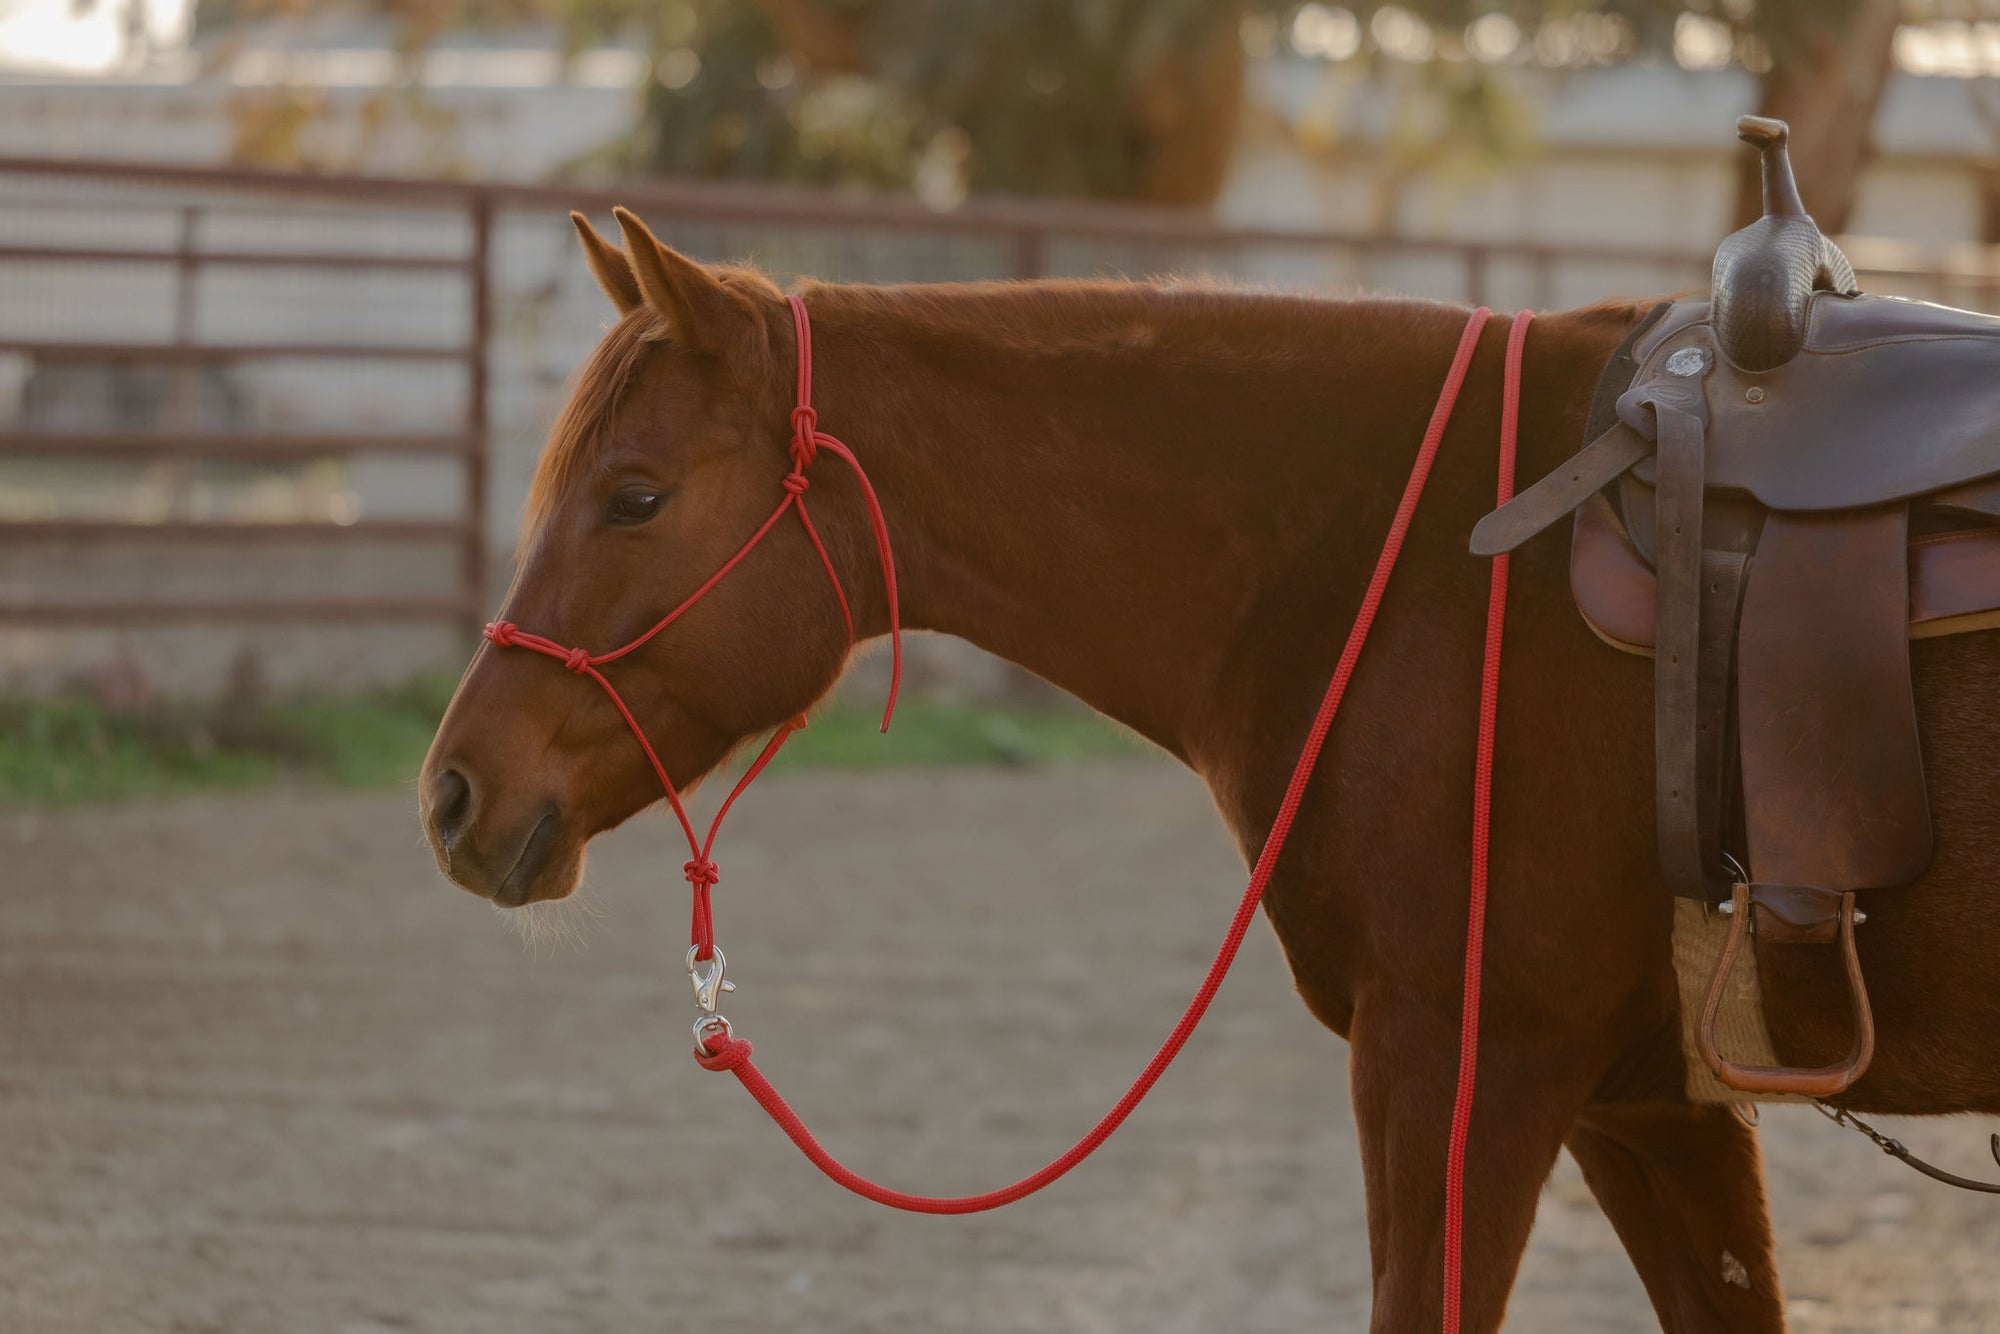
[701,872]
[720,1051]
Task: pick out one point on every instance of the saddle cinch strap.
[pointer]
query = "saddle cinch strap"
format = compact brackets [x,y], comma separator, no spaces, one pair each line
[1752,488]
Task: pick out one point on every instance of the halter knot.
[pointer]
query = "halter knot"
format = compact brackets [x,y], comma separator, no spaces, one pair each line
[578,660]
[501,632]
[796,483]
[805,425]
[701,873]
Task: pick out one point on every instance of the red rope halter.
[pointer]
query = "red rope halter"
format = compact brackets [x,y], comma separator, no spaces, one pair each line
[807,441]
[717,1048]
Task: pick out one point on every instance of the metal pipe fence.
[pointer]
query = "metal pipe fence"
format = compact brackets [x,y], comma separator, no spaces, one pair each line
[317,398]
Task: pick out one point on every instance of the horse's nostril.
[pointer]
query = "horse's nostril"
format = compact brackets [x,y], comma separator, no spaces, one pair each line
[451,803]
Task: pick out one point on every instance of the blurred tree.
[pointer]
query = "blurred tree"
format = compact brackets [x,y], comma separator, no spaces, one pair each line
[1129,98]
[1134,99]
[1828,64]
[1822,66]
[1140,98]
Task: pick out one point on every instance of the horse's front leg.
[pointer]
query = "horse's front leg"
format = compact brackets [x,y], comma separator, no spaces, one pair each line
[1405,1070]
[1684,1187]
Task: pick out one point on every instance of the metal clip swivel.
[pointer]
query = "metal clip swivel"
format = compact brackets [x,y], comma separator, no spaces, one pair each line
[705,976]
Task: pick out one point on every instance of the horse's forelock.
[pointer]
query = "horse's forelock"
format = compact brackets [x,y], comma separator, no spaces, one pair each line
[578,434]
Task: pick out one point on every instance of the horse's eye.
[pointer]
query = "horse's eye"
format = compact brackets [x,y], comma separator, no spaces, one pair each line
[634,504]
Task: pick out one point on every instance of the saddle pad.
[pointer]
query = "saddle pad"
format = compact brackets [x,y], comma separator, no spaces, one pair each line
[1954,581]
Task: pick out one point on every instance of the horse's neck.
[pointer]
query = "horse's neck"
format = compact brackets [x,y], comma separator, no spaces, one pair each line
[1108,485]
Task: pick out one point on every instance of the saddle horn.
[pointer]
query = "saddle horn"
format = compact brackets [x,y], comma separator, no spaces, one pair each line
[1765,274]
[1781,188]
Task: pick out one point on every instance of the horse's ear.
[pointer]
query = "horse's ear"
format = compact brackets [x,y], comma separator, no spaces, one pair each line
[702,315]
[609,267]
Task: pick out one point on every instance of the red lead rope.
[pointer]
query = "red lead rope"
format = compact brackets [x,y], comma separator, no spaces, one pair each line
[719,1049]
[727,1052]
[1482,828]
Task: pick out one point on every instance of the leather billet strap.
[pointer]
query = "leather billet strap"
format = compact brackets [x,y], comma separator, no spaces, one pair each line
[1594,467]
[1695,611]
[1609,453]
[1718,775]
[1680,413]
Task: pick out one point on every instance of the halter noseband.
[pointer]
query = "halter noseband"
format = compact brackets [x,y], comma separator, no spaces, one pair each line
[806,443]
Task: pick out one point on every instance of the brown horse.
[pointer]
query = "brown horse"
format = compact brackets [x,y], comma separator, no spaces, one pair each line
[1166,500]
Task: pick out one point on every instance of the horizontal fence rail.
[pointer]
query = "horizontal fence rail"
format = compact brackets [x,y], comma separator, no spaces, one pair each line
[471,290]
[196,227]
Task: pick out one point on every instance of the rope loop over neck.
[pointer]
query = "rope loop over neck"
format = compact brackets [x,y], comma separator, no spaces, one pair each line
[716,1047]
[724,1051]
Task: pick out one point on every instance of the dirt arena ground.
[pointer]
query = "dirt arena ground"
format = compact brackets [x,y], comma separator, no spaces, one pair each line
[262,1070]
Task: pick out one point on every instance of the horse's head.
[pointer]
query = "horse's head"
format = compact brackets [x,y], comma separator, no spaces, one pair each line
[668,455]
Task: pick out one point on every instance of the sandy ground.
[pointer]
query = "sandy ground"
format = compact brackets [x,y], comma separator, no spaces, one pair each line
[261,1070]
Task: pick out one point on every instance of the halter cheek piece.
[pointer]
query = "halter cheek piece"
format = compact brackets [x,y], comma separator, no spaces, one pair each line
[705,962]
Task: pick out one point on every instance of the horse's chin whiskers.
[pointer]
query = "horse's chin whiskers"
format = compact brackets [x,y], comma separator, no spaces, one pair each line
[553,924]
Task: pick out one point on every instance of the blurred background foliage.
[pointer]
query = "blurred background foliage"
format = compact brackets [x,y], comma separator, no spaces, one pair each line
[1107,99]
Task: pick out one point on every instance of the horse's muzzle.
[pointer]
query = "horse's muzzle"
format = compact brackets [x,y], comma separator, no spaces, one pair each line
[511,862]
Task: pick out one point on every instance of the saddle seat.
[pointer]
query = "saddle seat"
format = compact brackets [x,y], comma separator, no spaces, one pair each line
[1784,483]
[1892,400]
[1888,399]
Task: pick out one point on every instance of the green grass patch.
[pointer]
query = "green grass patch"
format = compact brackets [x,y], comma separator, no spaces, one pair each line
[67,750]
[938,731]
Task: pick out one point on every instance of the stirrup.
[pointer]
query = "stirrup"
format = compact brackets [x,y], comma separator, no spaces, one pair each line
[1827,1080]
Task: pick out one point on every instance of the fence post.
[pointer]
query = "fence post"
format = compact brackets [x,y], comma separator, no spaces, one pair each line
[1031,253]
[1475,274]
[479,443]
[175,478]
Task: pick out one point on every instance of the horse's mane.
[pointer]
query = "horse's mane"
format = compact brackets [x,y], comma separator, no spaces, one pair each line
[1201,318]
[1055,320]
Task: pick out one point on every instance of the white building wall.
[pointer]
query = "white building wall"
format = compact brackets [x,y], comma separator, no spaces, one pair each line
[1636,155]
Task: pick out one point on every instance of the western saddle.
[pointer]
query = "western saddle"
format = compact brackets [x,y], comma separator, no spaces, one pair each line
[1785,481]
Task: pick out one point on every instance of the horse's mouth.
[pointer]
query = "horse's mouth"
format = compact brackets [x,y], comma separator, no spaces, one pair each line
[528,870]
